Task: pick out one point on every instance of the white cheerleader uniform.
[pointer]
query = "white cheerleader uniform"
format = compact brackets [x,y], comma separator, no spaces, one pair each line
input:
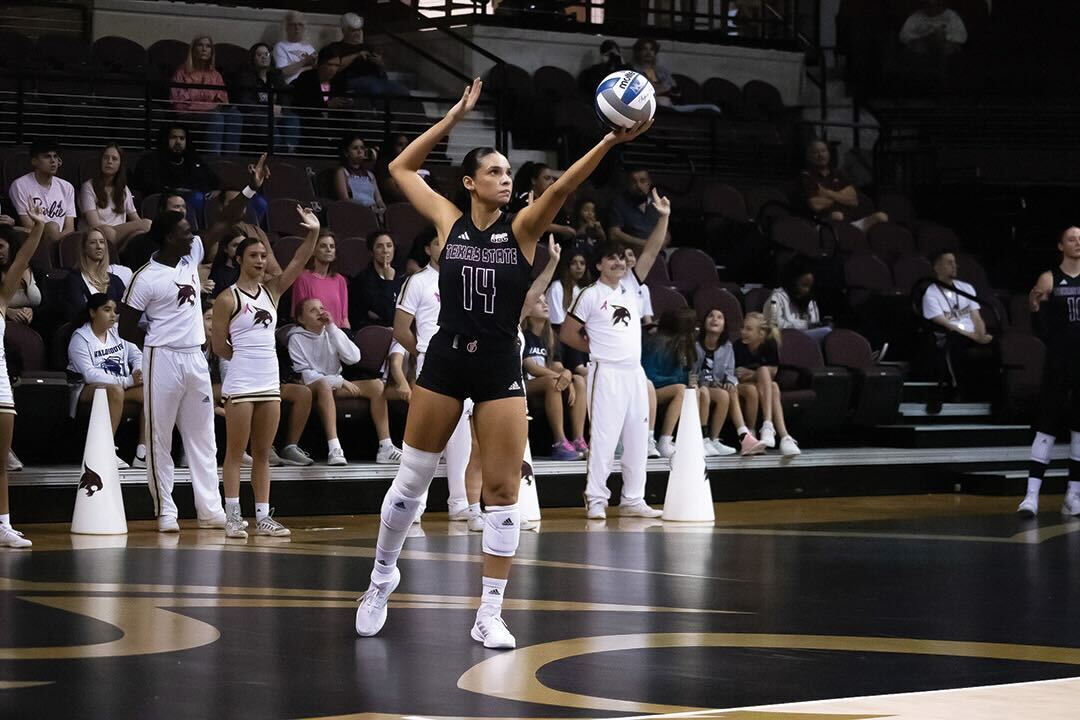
[253,374]
[7,399]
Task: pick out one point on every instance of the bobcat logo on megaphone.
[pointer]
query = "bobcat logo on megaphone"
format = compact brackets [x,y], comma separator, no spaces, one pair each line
[90,482]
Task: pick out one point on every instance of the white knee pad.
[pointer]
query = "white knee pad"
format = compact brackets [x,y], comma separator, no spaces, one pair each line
[1074,446]
[399,511]
[502,530]
[415,472]
[1043,447]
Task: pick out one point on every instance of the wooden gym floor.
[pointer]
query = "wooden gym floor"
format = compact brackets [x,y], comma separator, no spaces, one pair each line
[915,607]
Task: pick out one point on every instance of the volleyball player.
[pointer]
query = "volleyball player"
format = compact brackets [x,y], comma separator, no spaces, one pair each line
[9,536]
[245,318]
[484,275]
[1056,299]
[609,311]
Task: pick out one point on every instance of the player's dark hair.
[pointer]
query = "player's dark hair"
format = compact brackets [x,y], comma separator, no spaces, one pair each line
[471,162]
[374,235]
[244,245]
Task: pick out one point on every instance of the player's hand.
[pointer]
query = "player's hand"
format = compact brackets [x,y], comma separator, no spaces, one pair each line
[467,102]
[405,391]
[137,377]
[34,213]
[258,173]
[1036,298]
[554,250]
[624,135]
[662,204]
[308,220]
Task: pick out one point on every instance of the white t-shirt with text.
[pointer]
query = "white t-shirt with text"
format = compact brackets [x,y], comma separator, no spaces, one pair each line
[954,307]
[55,202]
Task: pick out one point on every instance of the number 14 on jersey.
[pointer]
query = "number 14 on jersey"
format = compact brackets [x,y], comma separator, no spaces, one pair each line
[478,282]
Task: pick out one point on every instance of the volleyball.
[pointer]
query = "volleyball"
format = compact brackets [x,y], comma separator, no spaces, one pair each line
[624,98]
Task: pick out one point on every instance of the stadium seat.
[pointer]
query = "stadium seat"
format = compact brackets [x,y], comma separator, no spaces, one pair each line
[64,53]
[934,238]
[1020,315]
[230,58]
[724,94]
[658,274]
[798,235]
[353,256]
[756,298]
[540,260]
[285,248]
[844,239]
[664,299]
[908,271]
[876,389]
[282,219]
[831,385]
[898,207]
[689,90]
[24,348]
[374,343]
[406,225]
[16,50]
[866,275]
[708,297]
[765,204]
[120,56]
[691,268]
[762,101]
[724,201]
[346,217]
[1022,357]
[288,181]
[890,241]
[553,84]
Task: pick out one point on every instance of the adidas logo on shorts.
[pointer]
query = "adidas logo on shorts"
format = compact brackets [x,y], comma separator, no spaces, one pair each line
[508,523]
[515,386]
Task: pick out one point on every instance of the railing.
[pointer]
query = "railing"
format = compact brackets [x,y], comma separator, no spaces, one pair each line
[41,17]
[127,113]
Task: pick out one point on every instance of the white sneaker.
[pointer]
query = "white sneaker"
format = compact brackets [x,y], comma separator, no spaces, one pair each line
[1071,506]
[654,452]
[139,462]
[1029,505]
[666,448]
[710,449]
[216,522]
[12,538]
[639,509]
[269,526]
[789,447]
[529,525]
[336,457]
[461,514]
[388,455]
[721,449]
[768,435]
[371,615]
[595,509]
[294,455]
[121,464]
[14,464]
[492,631]
[235,524]
[275,459]
[476,523]
[246,460]
[167,524]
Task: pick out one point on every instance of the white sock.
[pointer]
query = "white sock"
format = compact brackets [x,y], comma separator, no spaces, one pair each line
[768,425]
[230,503]
[1034,485]
[333,444]
[1074,487]
[742,430]
[667,438]
[140,451]
[385,443]
[474,508]
[261,511]
[491,597]
[5,520]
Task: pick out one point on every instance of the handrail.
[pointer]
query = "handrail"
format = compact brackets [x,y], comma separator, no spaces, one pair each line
[429,57]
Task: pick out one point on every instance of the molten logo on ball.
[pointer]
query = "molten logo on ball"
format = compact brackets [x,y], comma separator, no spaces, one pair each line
[624,99]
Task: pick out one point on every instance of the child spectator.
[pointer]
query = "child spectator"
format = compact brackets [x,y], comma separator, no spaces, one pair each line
[644,296]
[318,349]
[792,305]
[573,277]
[43,192]
[27,296]
[374,291]
[209,105]
[757,358]
[545,375]
[719,388]
[321,280]
[589,228]
[106,201]
[294,55]
[98,357]
[354,180]
[94,275]
[668,357]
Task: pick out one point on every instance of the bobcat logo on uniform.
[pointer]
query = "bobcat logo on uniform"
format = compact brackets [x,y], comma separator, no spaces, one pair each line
[527,473]
[262,317]
[112,366]
[185,294]
[621,315]
[90,482]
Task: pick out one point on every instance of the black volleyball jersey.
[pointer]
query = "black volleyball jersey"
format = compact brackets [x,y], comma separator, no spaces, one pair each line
[483,279]
[1063,311]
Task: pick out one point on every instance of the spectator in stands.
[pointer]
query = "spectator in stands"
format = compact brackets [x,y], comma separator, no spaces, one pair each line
[93,276]
[312,96]
[961,353]
[611,60]
[258,84]
[530,182]
[43,192]
[318,349]
[388,187]
[99,358]
[363,70]
[590,230]
[719,388]
[354,179]
[632,216]
[545,375]
[27,295]
[830,195]
[933,30]
[668,357]
[225,271]
[645,52]
[573,277]
[207,106]
[757,358]
[106,202]
[294,55]
[374,291]
[321,280]
[176,167]
[792,305]
[648,320]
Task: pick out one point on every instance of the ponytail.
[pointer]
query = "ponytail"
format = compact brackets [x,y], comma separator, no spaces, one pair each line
[771,331]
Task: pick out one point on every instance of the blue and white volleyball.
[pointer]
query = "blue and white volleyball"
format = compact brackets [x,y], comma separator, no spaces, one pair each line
[624,99]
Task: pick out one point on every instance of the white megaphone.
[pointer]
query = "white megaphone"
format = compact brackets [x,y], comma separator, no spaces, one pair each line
[689,497]
[99,501]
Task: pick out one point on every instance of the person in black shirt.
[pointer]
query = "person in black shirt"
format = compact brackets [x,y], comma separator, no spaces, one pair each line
[254,87]
[374,291]
[611,60]
[311,96]
[1055,300]
[362,68]
[757,358]
[176,167]
[484,276]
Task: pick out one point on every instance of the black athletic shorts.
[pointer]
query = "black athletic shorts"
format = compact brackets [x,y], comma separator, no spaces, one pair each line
[477,368]
[1059,396]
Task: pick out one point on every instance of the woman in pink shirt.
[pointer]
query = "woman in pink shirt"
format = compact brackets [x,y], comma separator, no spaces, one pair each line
[207,107]
[321,280]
